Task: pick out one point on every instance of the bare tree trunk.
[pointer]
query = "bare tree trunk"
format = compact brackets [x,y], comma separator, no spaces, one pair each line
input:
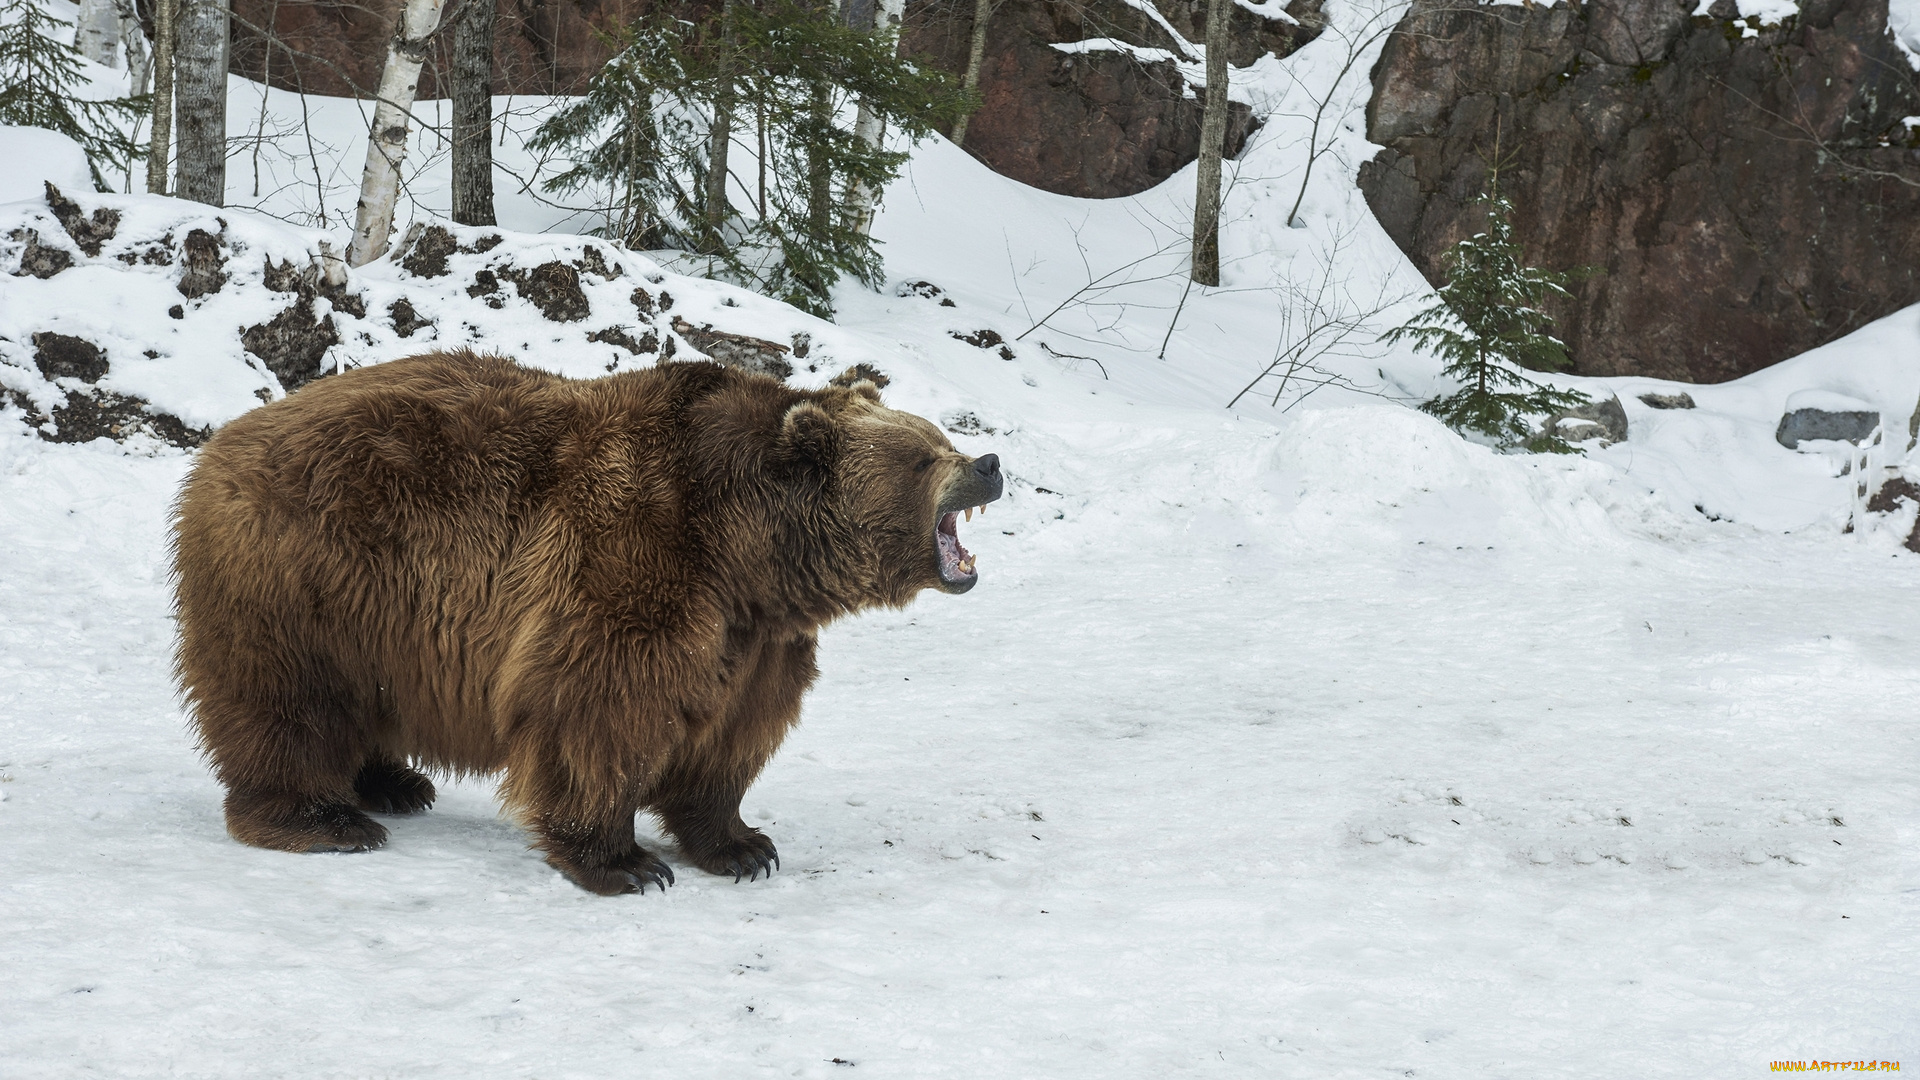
[96,31]
[139,67]
[473,114]
[1213,137]
[200,100]
[976,56]
[387,142]
[867,126]
[720,136]
[160,149]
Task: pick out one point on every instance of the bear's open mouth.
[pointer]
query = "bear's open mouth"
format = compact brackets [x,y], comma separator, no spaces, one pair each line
[956,563]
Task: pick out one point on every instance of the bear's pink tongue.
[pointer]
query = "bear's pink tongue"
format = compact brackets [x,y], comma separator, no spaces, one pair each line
[955,562]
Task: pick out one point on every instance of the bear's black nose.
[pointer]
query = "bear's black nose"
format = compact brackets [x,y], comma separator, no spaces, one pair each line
[986,469]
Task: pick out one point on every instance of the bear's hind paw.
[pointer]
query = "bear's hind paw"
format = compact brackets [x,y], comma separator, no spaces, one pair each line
[291,823]
[388,787]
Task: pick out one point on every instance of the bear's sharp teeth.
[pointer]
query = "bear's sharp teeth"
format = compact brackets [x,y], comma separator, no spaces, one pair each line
[969,513]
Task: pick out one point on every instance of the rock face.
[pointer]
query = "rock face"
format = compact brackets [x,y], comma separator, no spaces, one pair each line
[1095,124]
[1745,192]
[336,47]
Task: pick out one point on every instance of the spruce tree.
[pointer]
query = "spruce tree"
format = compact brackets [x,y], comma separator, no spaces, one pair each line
[1487,328]
[40,84]
[643,135]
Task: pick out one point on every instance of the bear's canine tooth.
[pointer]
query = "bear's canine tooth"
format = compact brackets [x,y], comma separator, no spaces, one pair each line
[969,513]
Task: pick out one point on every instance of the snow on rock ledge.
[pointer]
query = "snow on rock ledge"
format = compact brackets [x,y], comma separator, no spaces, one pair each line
[135,317]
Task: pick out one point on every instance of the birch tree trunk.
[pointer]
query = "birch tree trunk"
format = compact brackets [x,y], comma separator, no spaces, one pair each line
[473,114]
[1213,137]
[200,100]
[387,142]
[976,56]
[160,149]
[139,66]
[96,31]
[720,135]
[866,126]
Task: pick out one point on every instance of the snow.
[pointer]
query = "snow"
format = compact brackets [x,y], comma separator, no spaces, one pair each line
[1903,21]
[34,155]
[1768,12]
[1291,739]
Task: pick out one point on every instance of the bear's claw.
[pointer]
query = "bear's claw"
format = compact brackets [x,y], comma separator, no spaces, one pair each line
[748,857]
[629,873]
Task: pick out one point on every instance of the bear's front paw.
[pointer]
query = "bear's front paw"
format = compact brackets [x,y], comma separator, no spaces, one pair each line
[626,873]
[747,856]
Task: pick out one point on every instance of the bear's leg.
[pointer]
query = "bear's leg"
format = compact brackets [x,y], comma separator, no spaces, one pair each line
[385,786]
[705,817]
[699,797]
[288,755]
[603,857]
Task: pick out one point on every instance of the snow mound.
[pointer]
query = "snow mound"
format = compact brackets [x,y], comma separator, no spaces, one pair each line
[35,156]
[1390,475]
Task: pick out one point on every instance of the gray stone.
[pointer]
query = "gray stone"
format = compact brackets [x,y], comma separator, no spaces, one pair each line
[203,267]
[38,260]
[1603,419]
[737,350]
[1809,425]
[63,356]
[1667,401]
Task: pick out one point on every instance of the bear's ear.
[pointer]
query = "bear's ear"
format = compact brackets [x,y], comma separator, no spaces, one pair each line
[859,373]
[808,434]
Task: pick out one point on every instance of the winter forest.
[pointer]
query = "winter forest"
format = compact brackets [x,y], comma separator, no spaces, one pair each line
[1012,538]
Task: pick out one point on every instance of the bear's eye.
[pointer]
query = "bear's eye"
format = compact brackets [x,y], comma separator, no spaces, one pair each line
[924,462]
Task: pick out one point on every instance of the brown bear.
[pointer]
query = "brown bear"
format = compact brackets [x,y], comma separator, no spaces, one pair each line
[607,590]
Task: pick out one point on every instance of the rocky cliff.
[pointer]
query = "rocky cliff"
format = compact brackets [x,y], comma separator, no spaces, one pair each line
[336,47]
[1743,191]
[1095,123]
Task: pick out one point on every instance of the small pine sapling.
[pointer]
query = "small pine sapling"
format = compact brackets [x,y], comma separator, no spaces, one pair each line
[643,136]
[1486,328]
[42,85]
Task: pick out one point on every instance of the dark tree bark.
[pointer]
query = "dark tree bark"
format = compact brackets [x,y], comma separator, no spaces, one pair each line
[720,135]
[1213,136]
[473,114]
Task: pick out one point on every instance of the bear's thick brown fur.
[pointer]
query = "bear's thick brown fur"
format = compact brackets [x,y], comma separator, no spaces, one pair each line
[606,590]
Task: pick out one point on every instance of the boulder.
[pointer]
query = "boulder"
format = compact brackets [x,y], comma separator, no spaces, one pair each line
[1599,419]
[63,356]
[1814,425]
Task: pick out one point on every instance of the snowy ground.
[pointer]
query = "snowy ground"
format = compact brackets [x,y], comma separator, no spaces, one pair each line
[1301,743]
[1258,760]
